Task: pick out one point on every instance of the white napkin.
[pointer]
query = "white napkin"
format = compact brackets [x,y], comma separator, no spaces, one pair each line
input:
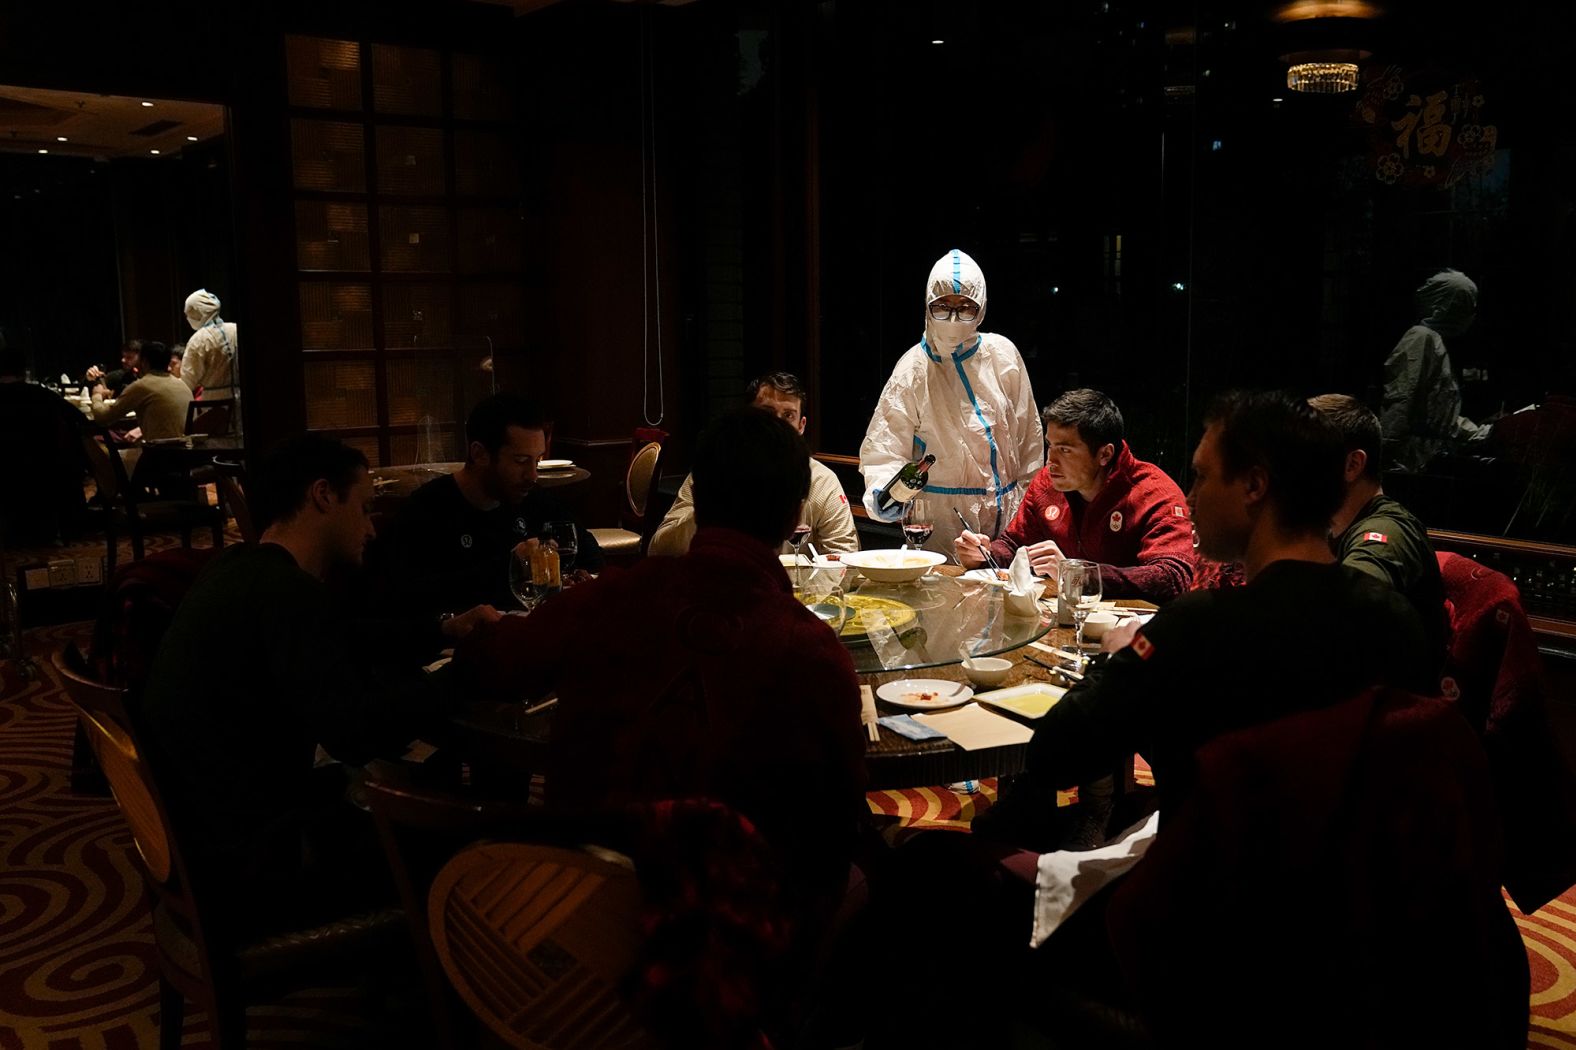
[1067,878]
[1021,576]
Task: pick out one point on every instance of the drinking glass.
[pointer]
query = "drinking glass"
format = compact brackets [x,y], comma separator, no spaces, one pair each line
[522,579]
[562,535]
[801,532]
[917,523]
[1078,584]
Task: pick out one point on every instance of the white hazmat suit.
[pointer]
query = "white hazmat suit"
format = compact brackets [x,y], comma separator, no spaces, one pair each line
[964,396]
[209,363]
[1422,403]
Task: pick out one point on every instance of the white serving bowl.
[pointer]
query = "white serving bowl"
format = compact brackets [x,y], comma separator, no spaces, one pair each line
[893,566]
[1098,623]
[987,671]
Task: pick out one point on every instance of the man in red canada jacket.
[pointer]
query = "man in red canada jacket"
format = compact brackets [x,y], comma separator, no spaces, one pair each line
[1095,500]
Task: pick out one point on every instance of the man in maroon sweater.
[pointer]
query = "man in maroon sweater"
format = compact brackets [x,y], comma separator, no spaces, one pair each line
[1095,500]
[702,675]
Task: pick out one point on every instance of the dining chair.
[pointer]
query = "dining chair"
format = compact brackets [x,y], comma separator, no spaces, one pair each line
[420,830]
[213,417]
[123,509]
[1495,676]
[538,940]
[229,482]
[636,525]
[195,961]
[1339,866]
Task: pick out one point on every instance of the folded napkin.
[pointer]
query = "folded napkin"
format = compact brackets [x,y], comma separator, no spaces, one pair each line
[1067,878]
[904,725]
[1020,575]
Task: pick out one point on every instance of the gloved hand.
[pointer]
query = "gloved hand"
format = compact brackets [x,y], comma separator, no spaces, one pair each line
[894,515]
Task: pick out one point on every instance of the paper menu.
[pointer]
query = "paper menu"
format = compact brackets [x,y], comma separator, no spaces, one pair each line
[973,728]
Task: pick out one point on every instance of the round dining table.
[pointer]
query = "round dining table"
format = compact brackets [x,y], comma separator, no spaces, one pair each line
[937,620]
[513,739]
[394,485]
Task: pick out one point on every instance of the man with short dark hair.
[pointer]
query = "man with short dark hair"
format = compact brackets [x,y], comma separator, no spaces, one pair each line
[234,753]
[448,548]
[158,398]
[729,688]
[1095,500]
[1374,533]
[825,511]
[117,379]
[1267,478]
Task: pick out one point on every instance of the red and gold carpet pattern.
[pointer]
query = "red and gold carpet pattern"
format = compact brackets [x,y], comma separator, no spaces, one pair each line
[77,968]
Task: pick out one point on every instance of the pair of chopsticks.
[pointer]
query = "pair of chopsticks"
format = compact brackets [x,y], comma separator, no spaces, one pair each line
[984,547]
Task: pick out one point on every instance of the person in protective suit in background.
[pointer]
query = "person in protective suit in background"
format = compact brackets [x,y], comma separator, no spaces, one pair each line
[1422,416]
[963,396]
[209,364]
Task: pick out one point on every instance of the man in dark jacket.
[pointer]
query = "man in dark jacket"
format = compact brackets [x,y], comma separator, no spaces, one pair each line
[448,549]
[1374,533]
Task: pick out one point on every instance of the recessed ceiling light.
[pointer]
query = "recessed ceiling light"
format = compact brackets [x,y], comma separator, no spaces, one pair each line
[154,152]
[148,105]
[191,138]
[43,151]
[60,138]
[938,41]
[1277,100]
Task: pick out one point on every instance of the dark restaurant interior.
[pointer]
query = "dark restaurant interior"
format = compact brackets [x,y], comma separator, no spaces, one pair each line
[413,632]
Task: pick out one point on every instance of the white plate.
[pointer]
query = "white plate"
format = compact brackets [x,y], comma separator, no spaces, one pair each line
[901,693]
[985,576]
[554,464]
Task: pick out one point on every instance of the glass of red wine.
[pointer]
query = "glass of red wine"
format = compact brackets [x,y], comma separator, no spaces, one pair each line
[917,523]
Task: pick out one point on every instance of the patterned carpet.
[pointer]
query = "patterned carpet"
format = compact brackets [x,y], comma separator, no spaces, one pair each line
[77,968]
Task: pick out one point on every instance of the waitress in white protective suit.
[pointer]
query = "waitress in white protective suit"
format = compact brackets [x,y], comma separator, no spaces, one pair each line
[210,364]
[963,396]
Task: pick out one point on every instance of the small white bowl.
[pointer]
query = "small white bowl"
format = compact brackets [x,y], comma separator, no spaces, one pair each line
[893,566]
[987,670]
[1098,623]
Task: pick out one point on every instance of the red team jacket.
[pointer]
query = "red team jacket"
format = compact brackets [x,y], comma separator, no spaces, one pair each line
[1137,528]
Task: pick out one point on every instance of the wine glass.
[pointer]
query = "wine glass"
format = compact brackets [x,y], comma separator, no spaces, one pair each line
[917,523]
[801,532]
[1078,585]
[562,535]
[522,577]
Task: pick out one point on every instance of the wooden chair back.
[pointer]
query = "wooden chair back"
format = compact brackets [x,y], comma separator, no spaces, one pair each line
[420,830]
[105,717]
[213,417]
[537,940]
[232,497]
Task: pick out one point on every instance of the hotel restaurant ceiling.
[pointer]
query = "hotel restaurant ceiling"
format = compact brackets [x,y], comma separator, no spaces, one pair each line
[76,124]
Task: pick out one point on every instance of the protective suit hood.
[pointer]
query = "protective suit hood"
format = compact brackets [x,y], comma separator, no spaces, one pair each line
[1447,302]
[955,273]
[202,307]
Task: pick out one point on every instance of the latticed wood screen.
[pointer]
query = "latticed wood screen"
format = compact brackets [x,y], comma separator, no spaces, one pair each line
[409,238]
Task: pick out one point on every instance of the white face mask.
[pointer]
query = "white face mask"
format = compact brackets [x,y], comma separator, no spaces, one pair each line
[946,335]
